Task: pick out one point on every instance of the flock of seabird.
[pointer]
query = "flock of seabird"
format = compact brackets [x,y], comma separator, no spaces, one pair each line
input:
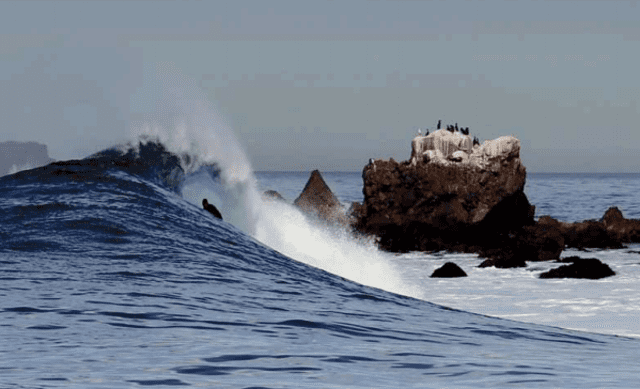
[452,129]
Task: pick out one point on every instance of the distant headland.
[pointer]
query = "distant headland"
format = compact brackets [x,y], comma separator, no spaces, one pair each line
[16,156]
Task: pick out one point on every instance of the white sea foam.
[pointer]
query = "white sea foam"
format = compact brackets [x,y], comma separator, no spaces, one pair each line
[610,305]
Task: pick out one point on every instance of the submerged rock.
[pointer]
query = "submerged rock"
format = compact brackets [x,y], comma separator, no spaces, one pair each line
[448,270]
[272,195]
[502,258]
[318,200]
[590,268]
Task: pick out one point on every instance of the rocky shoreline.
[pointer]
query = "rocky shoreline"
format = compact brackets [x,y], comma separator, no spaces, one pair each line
[457,195]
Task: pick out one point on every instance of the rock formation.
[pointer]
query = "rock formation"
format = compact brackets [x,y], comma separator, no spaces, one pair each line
[624,230]
[611,232]
[271,195]
[448,270]
[433,202]
[317,199]
[590,268]
[16,156]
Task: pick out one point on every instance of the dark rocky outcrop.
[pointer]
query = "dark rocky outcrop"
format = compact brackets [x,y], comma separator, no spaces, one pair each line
[317,199]
[624,230]
[448,270]
[20,155]
[594,234]
[590,268]
[539,242]
[438,205]
[457,195]
[272,195]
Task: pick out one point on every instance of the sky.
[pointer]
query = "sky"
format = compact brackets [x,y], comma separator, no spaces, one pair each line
[326,84]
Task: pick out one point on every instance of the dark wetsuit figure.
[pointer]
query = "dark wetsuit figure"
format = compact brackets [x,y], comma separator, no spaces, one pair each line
[209,207]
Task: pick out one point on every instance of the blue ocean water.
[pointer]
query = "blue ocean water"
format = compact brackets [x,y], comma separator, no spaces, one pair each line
[111,278]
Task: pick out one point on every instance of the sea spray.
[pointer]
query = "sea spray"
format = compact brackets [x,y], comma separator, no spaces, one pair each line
[189,126]
[286,229]
[330,247]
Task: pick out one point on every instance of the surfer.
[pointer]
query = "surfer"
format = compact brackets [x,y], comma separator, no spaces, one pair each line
[211,208]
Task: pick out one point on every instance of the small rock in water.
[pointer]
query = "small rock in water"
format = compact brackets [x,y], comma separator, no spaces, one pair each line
[503,262]
[272,195]
[590,268]
[448,270]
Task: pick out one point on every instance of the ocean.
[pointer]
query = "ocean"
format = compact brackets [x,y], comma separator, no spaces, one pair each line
[113,276]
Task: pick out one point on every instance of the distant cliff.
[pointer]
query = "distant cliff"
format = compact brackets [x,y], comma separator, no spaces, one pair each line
[16,156]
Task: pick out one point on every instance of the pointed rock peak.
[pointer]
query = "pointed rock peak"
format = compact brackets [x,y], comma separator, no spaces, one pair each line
[317,199]
[612,216]
[316,181]
[317,191]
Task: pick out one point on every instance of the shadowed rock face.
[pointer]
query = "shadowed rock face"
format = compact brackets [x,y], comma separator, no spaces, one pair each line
[22,155]
[590,268]
[594,234]
[318,200]
[448,270]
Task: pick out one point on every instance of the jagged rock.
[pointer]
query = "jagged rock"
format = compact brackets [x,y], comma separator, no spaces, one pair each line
[625,230]
[540,242]
[356,210]
[590,234]
[590,268]
[318,200]
[585,234]
[448,270]
[443,204]
[272,195]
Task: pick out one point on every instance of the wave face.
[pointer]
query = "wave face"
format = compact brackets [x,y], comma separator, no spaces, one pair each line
[111,276]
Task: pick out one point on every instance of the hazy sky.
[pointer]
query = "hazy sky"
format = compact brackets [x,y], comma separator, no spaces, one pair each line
[330,84]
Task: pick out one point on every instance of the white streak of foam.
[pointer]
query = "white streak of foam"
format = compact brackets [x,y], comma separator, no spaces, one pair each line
[331,248]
